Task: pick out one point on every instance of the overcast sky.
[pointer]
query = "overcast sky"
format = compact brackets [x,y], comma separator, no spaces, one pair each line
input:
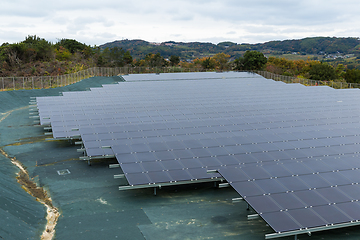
[256,21]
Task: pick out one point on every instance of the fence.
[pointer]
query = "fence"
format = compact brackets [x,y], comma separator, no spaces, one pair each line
[17,83]
[307,82]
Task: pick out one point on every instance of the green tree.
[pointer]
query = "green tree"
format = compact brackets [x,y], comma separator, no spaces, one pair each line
[155,60]
[43,50]
[174,60]
[128,59]
[114,57]
[71,45]
[117,57]
[340,71]
[62,54]
[322,71]
[252,60]
[222,61]
[208,63]
[352,76]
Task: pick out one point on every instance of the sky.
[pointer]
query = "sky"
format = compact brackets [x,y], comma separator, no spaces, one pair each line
[256,21]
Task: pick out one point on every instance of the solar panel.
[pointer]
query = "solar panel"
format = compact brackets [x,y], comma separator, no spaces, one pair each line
[297,196]
[291,151]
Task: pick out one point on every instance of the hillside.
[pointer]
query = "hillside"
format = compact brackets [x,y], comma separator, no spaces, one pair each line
[317,45]
[140,48]
[36,56]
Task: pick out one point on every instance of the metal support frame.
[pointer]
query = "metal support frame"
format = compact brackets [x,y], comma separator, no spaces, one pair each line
[114,165]
[119,176]
[224,185]
[170,183]
[236,200]
[253,216]
[87,158]
[64,139]
[295,233]
[309,231]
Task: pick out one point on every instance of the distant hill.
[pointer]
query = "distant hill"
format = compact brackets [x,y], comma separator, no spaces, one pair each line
[316,45]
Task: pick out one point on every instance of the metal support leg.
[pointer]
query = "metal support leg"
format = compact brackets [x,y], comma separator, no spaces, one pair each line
[154,191]
[296,237]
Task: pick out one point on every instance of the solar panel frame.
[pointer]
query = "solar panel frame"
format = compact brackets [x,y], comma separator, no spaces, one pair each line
[303,149]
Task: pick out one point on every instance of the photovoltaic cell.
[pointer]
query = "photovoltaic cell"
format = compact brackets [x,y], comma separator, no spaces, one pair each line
[306,217]
[291,151]
[351,209]
[281,221]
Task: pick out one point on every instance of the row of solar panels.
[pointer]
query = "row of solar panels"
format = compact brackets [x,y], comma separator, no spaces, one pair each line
[290,151]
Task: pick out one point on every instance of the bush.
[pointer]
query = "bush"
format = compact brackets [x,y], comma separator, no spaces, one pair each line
[322,71]
[252,60]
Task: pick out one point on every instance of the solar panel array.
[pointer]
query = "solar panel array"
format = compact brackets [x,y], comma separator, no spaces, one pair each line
[289,150]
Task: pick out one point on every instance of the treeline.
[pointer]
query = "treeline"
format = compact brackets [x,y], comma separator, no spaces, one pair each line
[36,56]
[312,69]
[316,45]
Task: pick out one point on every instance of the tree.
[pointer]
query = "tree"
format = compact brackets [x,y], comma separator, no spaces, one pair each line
[322,71]
[155,60]
[114,57]
[174,60]
[222,61]
[128,59]
[71,45]
[352,76]
[43,50]
[117,57]
[340,71]
[252,60]
[62,54]
[207,63]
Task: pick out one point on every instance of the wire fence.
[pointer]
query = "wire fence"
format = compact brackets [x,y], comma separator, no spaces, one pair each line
[307,82]
[39,82]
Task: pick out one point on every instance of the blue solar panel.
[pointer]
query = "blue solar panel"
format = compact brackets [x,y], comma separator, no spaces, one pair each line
[291,151]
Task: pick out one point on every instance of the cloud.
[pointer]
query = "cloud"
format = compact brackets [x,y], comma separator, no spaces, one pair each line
[179,20]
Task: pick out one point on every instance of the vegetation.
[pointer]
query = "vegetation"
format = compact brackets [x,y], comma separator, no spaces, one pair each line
[252,60]
[36,56]
[321,46]
[322,71]
[352,76]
